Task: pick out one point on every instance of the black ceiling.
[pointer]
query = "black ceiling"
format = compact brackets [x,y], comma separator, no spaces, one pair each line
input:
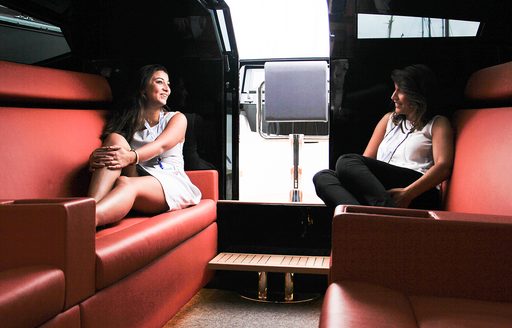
[110,28]
[65,11]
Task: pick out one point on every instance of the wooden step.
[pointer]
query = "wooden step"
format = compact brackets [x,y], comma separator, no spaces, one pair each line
[271,263]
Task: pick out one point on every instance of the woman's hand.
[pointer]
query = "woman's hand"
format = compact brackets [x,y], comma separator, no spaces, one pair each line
[112,157]
[401,197]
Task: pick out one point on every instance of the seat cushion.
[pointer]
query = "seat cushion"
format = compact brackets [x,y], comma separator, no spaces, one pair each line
[455,312]
[358,304]
[30,295]
[135,242]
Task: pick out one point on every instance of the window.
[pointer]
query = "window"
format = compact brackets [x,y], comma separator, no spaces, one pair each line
[26,40]
[392,26]
[280,28]
[252,79]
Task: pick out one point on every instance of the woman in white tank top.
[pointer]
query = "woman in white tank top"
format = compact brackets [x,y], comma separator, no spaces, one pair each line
[409,154]
[140,165]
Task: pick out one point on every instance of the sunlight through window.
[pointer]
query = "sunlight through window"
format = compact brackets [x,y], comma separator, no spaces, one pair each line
[280,28]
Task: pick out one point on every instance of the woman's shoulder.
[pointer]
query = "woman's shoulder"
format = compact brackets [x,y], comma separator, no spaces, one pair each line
[387,117]
[176,117]
[440,120]
[170,114]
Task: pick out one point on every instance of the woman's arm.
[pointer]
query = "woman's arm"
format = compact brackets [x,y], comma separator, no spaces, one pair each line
[377,136]
[443,152]
[173,133]
[115,157]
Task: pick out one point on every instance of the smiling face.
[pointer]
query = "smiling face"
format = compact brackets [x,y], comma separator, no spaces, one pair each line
[402,104]
[157,90]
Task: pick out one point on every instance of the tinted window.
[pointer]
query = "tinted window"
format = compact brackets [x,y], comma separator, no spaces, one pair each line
[392,26]
[26,40]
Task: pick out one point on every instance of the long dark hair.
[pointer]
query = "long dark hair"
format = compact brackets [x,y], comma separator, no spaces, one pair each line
[128,114]
[419,83]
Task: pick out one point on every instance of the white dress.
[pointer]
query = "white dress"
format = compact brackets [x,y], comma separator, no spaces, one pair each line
[168,168]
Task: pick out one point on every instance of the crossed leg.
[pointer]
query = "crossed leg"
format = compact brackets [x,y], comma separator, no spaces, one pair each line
[117,194]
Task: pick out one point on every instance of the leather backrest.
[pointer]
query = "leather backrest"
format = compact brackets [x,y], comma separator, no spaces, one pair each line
[481,181]
[493,84]
[41,85]
[44,151]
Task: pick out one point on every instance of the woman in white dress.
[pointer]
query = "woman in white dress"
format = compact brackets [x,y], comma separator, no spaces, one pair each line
[140,164]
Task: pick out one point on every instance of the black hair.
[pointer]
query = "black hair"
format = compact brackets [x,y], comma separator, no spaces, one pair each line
[419,83]
[128,114]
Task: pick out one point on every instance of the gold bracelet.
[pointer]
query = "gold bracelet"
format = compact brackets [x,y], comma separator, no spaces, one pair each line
[136,156]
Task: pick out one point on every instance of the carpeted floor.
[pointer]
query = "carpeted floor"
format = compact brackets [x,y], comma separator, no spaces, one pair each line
[216,308]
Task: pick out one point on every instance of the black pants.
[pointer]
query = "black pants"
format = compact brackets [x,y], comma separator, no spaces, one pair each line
[360,180]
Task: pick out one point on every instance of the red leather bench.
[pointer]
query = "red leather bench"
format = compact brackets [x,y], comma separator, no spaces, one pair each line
[56,270]
[451,268]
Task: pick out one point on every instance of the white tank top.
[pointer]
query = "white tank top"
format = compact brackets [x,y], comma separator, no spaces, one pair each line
[407,148]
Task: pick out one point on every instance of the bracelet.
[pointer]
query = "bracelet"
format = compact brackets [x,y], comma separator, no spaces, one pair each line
[136,156]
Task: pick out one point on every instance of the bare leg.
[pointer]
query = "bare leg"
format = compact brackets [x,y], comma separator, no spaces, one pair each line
[141,193]
[118,191]
[102,180]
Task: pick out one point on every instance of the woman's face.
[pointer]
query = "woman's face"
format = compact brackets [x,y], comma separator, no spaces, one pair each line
[402,103]
[158,90]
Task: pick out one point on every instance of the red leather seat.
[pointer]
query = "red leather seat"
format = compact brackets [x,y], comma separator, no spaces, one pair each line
[138,272]
[413,268]
[135,242]
[357,304]
[30,295]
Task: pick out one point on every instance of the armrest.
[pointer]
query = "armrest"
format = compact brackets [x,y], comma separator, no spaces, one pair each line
[406,212]
[421,252]
[59,233]
[207,181]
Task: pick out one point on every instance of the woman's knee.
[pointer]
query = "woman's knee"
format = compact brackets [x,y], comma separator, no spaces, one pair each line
[347,161]
[115,139]
[138,186]
[347,158]
[123,181]
[320,177]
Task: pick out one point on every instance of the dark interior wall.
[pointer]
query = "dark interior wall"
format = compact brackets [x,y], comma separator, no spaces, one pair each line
[367,85]
[202,84]
[274,228]
[179,36]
